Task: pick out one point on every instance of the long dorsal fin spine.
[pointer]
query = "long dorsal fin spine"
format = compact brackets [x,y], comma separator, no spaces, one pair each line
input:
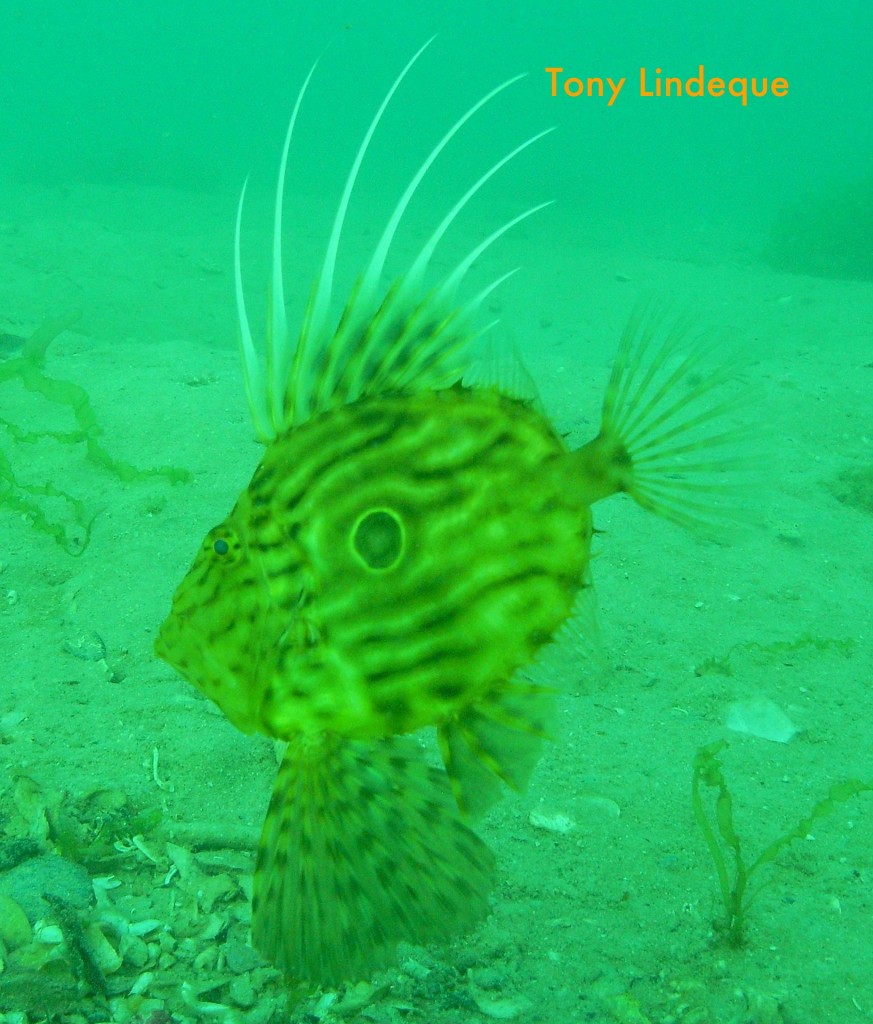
[443,296]
[253,374]
[423,259]
[324,289]
[385,340]
[450,285]
[377,263]
[279,355]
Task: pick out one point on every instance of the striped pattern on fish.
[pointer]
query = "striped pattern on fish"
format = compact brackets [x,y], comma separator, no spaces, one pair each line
[416,535]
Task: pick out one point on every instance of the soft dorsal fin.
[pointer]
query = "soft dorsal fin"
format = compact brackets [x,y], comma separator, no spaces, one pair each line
[501,367]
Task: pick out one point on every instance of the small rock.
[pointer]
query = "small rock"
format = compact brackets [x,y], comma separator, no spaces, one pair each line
[239,957]
[101,802]
[87,646]
[14,927]
[241,992]
[499,1009]
[214,888]
[10,720]
[415,969]
[183,861]
[26,883]
[104,953]
[595,805]
[206,960]
[134,951]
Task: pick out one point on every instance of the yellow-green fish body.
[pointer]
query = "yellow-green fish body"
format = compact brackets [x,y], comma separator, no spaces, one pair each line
[415,534]
[391,563]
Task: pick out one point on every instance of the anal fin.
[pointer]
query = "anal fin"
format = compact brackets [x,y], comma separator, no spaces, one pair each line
[499,739]
[362,847]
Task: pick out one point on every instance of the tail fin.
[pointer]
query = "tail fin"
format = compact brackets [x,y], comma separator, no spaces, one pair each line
[672,435]
[362,848]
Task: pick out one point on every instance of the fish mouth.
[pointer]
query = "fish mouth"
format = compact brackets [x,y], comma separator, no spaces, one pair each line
[229,664]
[187,652]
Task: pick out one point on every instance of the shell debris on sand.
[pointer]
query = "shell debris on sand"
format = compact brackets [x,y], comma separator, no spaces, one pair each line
[156,929]
[557,822]
[761,717]
[582,810]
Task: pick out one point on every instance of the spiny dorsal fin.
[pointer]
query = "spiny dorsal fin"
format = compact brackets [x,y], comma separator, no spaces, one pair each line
[405,338]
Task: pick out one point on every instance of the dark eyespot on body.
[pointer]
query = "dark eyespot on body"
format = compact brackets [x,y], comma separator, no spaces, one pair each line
[378,539]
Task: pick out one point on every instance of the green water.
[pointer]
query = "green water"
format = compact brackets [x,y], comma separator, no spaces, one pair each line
[127,133]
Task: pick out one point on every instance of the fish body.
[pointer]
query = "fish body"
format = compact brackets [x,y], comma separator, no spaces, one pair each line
[415,535]
[390,561]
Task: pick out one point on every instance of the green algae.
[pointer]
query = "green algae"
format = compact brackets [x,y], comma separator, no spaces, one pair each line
[38,502]
[782,652]
[724,844]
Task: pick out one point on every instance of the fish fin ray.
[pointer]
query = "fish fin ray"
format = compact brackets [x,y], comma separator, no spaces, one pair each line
[675,433]
[501,367]
[406,338]
[499,739]
[362,847]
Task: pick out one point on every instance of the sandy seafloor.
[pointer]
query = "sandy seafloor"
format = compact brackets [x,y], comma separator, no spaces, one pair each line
[610,914]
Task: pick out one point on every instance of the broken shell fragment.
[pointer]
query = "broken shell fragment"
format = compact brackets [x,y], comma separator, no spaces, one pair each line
[103,952]
[15,929]
[88,646]
[559,823]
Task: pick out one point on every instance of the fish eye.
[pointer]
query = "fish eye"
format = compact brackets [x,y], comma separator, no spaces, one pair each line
[378,539]
[223,543]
